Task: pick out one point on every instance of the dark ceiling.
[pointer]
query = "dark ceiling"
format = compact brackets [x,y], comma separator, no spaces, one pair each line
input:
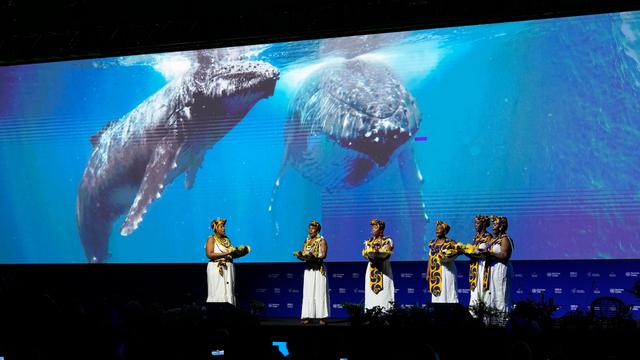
[34,31]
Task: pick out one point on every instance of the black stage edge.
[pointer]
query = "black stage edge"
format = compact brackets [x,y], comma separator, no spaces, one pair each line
[469,341]
[157,311]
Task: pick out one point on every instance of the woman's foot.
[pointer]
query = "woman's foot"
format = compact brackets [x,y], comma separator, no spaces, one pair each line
[322,322]
[305,321]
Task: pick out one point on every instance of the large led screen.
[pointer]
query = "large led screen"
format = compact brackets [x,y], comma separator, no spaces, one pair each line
[128,159]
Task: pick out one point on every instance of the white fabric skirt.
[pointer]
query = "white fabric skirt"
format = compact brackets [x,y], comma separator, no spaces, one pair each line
[221,288]
[315,294]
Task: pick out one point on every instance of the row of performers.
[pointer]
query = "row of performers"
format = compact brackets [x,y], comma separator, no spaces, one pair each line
[489,273]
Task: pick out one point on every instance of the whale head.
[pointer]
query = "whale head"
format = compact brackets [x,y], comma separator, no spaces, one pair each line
[361,106]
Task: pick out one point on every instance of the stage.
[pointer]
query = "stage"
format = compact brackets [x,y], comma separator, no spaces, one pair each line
[275,289]
[165,303]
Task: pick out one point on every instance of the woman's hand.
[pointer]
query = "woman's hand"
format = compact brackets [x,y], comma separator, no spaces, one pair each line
[448,255]
[482,253]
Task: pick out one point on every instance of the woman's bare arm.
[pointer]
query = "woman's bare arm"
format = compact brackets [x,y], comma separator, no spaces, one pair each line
[428,275]
[211,250]
[505,250]
[323,249]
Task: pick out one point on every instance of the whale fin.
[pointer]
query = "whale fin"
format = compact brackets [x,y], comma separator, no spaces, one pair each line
[192,170]
[412,182]
[163,161]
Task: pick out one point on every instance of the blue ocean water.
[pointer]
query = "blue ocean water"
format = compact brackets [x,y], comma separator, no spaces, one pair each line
[536,120]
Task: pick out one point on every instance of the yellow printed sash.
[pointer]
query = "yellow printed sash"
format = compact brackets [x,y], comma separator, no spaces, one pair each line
[375,275]
[226,244]
[312,246]
[487,239]
[436,254]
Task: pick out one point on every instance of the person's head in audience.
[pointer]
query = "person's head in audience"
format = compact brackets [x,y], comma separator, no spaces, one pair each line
[520,350]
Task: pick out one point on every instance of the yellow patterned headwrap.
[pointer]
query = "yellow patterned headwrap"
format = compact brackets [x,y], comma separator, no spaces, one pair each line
[316,224]
[484,220]
[500,220]
[380,223]
[444,225]
[215,223]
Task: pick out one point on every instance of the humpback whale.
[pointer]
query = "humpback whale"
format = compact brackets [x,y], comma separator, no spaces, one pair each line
[348,121]
[135,157]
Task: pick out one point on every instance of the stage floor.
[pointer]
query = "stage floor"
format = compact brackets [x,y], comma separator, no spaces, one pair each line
[295,322]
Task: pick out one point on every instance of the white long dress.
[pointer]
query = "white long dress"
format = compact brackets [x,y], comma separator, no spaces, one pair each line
[479,293]
[220,281]
[500,281]
[448,273]
[315,292]
[449,292]
[386,295]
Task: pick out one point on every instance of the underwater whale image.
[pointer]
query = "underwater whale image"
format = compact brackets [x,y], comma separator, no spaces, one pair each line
[136,157]
[348,121]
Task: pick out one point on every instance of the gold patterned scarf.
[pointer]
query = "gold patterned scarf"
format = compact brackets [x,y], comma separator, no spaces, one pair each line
[375,279]
[484,238]
[312,246]
[222,266]
[436,254]
[225,242]
[375,274]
